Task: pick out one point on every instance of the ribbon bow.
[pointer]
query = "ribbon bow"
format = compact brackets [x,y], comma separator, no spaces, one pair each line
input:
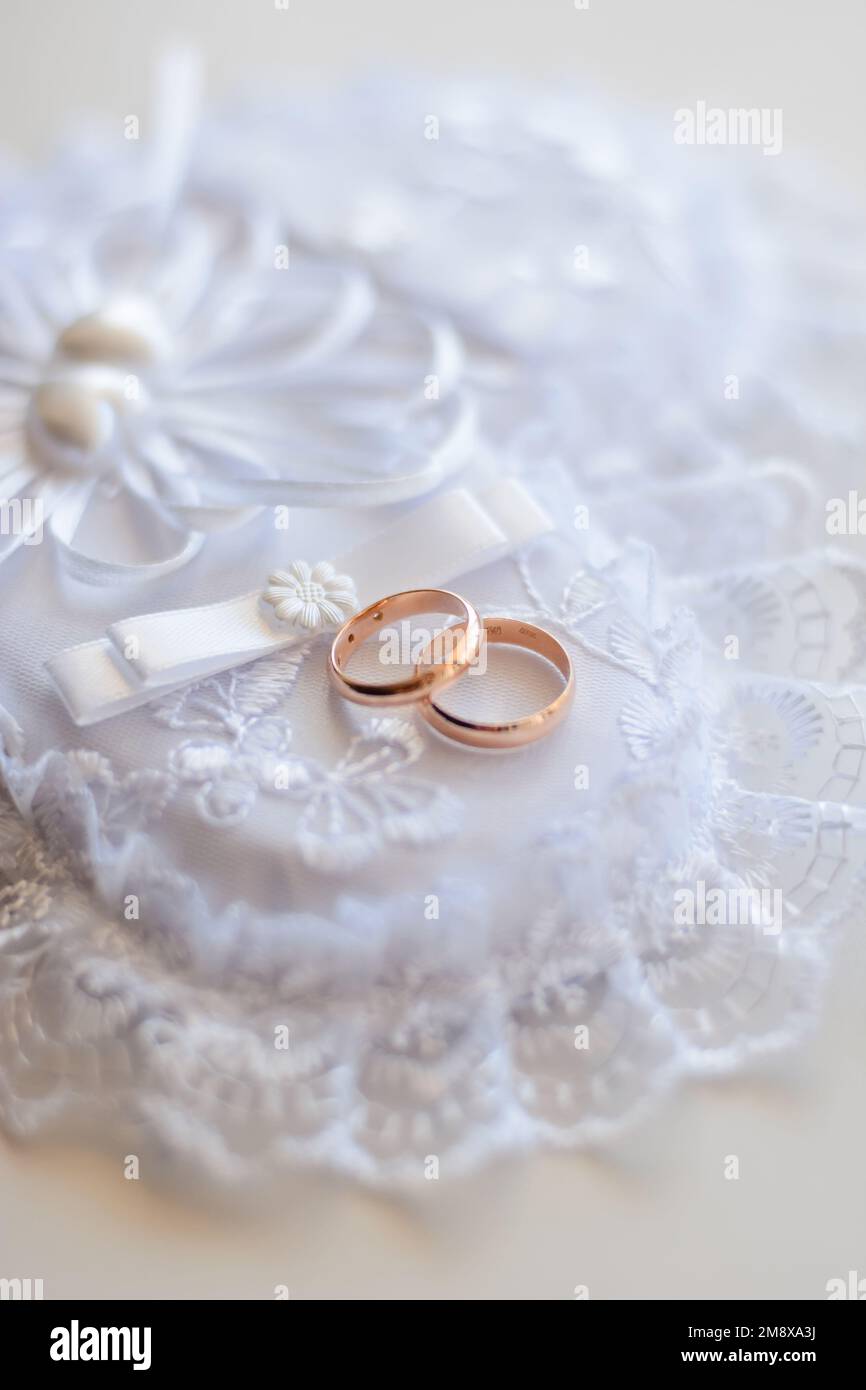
[141,659]
[164,361]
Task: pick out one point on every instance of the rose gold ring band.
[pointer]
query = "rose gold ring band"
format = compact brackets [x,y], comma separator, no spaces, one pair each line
[463,645]
[512,632]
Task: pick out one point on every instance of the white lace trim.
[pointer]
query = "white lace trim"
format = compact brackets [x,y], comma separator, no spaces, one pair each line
[459,1040]
[448,1017]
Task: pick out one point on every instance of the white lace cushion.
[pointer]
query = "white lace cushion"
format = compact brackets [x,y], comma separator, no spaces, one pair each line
[250,926]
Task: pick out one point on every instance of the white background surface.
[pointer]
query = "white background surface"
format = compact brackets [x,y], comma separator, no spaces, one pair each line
[655,1217]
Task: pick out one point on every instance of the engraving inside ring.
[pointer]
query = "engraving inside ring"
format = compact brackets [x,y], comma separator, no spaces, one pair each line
[527,691]
[384,647]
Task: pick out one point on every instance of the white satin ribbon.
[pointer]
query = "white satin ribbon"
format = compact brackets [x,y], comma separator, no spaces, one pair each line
[143,658]
[64,521]
[185,508]
[237,467]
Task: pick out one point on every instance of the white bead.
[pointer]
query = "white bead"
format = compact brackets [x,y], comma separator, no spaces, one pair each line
[74,415]
[125,330]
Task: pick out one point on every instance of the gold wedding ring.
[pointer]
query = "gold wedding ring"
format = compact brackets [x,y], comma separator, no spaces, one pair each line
[459,651]
[460,648]
[513,733]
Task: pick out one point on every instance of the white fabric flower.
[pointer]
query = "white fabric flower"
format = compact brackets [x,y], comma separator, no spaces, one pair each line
[166,356]
[312,597]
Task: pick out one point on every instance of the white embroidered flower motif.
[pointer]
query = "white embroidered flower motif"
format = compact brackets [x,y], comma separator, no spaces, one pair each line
[310,597]
[85,785]
[352,811]
[229,774]
[240,738]
[241,749]
[769,731]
